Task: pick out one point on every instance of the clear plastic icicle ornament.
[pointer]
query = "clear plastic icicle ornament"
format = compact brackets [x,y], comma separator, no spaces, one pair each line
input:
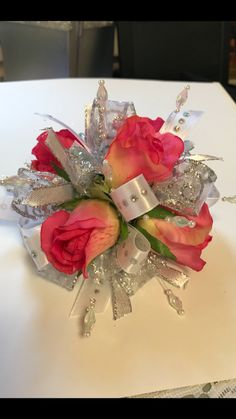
[182,98]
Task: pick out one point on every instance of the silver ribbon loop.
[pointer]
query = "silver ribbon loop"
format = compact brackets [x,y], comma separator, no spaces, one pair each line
[31,238]
[179,123]
[158,267]
[134,198]
[132,253]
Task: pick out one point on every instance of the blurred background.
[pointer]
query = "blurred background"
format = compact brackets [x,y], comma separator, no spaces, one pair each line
[158,50]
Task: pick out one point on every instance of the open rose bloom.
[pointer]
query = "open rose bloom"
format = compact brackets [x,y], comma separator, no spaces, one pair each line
[128,189]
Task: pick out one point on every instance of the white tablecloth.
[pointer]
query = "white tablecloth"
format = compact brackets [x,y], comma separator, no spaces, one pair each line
[41,351]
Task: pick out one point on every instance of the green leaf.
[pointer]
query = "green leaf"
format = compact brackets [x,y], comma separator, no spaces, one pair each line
[60,172]
[123,229]
[96,192]
[99,178]
[157,245]
[160,212]
[71,205]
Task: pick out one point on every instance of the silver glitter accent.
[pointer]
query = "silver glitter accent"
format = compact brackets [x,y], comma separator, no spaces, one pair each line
[121,304]
[50,195]
[188,188]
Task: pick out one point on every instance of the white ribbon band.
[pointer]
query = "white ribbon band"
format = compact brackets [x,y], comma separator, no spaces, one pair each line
[134,198]
[179,123]
[133,251]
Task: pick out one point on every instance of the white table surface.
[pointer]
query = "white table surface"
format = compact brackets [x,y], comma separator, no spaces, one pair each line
[41,351]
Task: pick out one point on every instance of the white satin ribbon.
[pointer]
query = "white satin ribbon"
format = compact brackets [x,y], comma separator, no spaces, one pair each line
[6,211]
[179,123]
[133,251]
[134,198]
[31,237]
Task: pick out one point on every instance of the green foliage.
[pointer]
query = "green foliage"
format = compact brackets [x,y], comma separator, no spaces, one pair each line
[61,172]
[160,212]
[124,232]
[156,244]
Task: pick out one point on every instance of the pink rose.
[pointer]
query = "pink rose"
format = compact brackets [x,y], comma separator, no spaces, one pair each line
[184,242]
[44,156]
[72,240]
[139,148]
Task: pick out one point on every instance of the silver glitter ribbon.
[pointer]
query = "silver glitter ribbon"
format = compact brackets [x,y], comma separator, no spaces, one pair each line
[49,195]
[134,198]
[77,162]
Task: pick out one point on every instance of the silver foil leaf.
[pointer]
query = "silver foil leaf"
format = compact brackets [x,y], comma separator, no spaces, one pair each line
[202,157]
[29,182]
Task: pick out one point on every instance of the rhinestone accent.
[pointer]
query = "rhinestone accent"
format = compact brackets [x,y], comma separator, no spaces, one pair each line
[134,198]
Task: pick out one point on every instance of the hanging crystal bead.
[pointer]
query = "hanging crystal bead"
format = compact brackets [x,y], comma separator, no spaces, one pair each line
[102,94]
[89,318]
[182,98]
[174,301]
